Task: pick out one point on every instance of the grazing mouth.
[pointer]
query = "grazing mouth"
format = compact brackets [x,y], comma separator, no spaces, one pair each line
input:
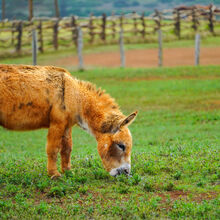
[123,169]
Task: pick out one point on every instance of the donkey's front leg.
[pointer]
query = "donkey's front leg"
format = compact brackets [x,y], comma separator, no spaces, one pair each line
[66,150]
[54,144]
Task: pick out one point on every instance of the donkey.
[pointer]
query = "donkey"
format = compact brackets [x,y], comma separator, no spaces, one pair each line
[34,97]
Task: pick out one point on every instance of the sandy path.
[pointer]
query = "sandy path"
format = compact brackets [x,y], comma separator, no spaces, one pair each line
[146,58]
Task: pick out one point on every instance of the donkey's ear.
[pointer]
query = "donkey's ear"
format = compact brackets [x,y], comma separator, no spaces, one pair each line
[113,123]
[128,120]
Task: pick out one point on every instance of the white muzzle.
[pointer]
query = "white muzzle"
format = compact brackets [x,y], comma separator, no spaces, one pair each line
[124,168]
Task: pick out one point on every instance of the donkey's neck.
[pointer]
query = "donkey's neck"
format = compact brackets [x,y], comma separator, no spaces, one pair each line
[98,112]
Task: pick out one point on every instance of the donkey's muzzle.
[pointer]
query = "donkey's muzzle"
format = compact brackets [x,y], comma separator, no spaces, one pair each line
[123,169]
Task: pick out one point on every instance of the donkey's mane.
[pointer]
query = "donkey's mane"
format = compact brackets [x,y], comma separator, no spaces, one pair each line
[109,108]
[100,94]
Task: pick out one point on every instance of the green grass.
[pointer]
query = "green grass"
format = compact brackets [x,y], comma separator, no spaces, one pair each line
[175,158]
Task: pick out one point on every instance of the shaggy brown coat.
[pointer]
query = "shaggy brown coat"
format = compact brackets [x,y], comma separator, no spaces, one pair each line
[34,97]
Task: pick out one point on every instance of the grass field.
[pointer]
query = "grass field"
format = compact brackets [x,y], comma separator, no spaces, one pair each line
[175,159]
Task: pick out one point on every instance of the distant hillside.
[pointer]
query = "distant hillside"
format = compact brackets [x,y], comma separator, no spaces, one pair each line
[18,9]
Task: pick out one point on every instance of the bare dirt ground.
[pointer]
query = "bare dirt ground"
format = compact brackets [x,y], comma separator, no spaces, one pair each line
[146,58]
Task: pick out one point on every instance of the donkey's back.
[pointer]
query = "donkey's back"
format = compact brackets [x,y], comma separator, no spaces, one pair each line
[27,94]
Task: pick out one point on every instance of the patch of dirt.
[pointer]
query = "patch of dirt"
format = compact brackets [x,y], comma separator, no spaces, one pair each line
[204,196]
[173,195]
[145,58]
[168,198]
[176,195]
[214,104]
[43,196]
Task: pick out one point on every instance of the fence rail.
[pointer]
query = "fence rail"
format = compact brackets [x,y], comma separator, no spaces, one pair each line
[53,33]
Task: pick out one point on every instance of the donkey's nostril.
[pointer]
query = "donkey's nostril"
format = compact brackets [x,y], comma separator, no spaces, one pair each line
[123,171]
[126,171]
[119,171]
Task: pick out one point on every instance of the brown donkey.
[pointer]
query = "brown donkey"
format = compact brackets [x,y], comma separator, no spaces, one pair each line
[33,97]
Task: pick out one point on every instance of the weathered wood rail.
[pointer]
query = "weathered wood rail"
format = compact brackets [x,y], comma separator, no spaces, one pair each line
[53,34]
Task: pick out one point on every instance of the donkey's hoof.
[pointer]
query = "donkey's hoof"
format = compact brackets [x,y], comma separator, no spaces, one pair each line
[55,176]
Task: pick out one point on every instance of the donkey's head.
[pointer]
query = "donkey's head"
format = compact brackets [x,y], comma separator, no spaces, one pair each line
[114,145]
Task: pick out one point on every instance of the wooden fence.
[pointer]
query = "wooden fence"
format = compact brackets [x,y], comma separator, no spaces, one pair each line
[53,34]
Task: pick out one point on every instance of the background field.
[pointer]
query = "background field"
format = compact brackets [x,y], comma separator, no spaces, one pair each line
[175,53]
[175,160]
[54,34]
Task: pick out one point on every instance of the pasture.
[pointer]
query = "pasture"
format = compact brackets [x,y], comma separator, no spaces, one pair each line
[175,159]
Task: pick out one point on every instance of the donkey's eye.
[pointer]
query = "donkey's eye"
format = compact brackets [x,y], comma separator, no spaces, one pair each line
[121,146]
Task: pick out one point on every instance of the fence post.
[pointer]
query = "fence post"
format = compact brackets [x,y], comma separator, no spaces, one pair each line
[91,33]
[55,34]
[211,25]
[30,6]
[135,22]
[57,8]
[121,21]
[40,34]
[103,33]
[197,49]
[144,25]
[194,19]
[80,47]
[19,36]
[176,14]
[158,19]
[160,49]
[74,30]
[122,52]
[34,47]
[12,33]
[113,26]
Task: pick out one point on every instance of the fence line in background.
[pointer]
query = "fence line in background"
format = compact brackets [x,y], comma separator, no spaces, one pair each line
[121,46]
[58,33]
[122,51]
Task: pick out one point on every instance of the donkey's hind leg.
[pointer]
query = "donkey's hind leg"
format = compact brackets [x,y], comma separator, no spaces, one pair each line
[66,150]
